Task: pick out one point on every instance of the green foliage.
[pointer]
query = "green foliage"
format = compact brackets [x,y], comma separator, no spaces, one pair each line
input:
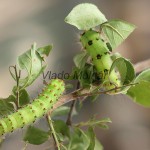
[91,136]
[143,76]
[93,122]
[62,111]
[140,92]
[79,136]
[117,31]
[80,59]
[61,128]
[85,16]
[24,97]
[79,140]
[35,136]
[31,61]
[125,68]
[44,50]
[6,105]
[98,145]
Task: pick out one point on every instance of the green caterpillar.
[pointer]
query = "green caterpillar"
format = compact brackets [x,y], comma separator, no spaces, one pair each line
[31,112]
[100,57]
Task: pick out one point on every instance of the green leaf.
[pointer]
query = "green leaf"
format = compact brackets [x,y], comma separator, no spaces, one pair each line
[125,69]
[98,145]
[117,31]
[45,50]
[61,127]
[85,16]
[31,61]
[74,73]
[80,59]
[93,122]
[79,140]
[116,55]
[85,75]
[94,97]
[68,86]
[6,105]
[91,135]
[24,97]
[145,76]
[62,111]
[140,93]
[35,136]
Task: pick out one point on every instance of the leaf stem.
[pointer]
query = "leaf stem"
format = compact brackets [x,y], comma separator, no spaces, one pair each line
[25,146]
[53,132]
[16,78]
[18,74]
[111,27]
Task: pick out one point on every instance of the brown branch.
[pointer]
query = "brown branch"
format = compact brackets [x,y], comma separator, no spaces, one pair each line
[82,93]
[87,92]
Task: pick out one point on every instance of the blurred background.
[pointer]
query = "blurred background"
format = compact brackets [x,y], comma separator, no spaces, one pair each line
[25,22]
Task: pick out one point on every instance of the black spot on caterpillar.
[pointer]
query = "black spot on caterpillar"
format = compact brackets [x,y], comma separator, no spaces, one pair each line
[99,52]
[109,46]
[90,42]
[31,112]
[99,56]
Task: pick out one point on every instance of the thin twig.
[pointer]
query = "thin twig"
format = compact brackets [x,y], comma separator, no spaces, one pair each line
[69,118]
[53,132]
[83,93]
[17,78]
[86,92]
[105,92]
[25,146]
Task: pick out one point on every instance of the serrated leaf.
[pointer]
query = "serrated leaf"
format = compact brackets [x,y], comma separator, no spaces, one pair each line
[80,59]
[145,76]
[85,16]
[140,93]
[35,136]
[79,140]
[6,106]
[125,69]
[117,31]
[31,61]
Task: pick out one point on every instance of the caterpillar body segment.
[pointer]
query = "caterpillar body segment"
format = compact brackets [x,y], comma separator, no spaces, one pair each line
[31,112]
[100,57]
